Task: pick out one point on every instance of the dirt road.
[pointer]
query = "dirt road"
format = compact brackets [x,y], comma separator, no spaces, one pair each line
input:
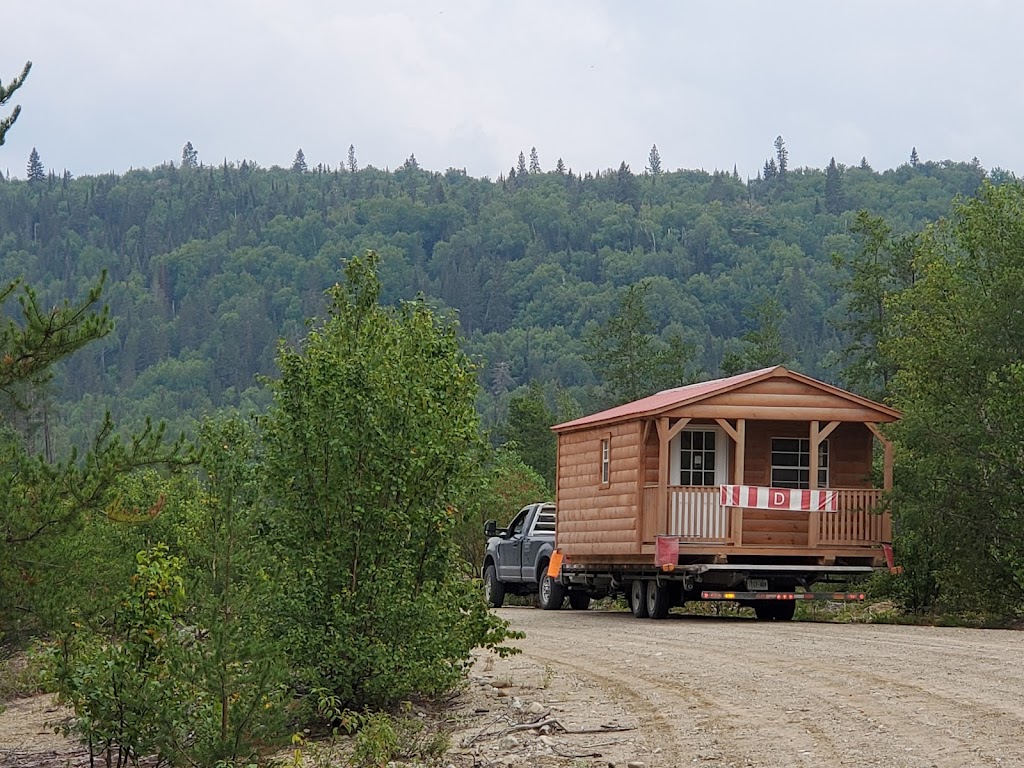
[735,692]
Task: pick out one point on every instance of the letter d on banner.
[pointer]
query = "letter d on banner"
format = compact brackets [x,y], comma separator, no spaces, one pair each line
[778,499]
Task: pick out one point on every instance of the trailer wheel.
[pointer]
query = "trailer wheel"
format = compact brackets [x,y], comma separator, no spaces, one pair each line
[659,599]
[638,598]
[579,601]
[550,594]
[494,590]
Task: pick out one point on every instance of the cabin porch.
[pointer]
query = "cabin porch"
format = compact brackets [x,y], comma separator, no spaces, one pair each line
[855,529]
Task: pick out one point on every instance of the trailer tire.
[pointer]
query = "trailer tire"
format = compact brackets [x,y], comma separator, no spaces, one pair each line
[638,598]
[579,601]
[659,599]
[550,593]
[494,590]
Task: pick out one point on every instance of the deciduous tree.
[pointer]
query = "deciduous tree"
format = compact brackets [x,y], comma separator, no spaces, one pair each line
[373,445]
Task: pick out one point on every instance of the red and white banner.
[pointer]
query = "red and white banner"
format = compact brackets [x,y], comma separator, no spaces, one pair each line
[755,497]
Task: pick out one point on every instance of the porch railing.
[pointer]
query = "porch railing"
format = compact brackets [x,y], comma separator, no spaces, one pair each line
[696,516]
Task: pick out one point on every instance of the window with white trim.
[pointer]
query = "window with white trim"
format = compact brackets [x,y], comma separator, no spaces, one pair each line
[606,450]
[791,462]
[697,457]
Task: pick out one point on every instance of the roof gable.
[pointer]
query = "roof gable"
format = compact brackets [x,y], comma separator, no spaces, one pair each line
[714,393]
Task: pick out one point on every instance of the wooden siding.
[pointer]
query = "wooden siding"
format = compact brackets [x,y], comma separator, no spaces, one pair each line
[849,448]
[594,518]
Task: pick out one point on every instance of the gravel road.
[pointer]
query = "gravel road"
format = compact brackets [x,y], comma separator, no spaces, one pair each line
[736,692]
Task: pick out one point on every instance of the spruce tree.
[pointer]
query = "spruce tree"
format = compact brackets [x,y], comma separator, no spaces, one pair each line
[35,170]
[914,160]
[864,164]
[654,163]
[299,163]
[560,167]
[783,156]
[521,169]
[353,166]
[5,96]
[189,156]
[534,161]
[833,188]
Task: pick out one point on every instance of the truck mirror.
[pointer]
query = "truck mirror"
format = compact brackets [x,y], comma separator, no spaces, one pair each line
[490,528]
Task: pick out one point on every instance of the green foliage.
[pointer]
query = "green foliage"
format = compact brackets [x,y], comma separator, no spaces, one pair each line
[508,485]
[764,346]
[884,266]
[5,96]
[957,338]
[372,445]
[527,432]
[631,360]
[124,689]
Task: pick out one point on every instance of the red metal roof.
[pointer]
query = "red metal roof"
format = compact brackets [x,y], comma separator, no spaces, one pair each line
[672,398]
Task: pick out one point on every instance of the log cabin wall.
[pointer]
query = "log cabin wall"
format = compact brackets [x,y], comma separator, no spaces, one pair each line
[849,452]
[594,517]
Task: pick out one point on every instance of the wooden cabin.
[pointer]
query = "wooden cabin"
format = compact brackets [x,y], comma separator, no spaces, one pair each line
[768,466]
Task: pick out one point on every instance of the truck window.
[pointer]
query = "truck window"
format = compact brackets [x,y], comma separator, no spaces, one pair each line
[545,521]
[515,528]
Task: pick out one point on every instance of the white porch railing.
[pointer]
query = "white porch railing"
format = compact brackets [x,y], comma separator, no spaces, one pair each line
[696,515]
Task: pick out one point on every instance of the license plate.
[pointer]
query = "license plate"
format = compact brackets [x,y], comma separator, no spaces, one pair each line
[757,585]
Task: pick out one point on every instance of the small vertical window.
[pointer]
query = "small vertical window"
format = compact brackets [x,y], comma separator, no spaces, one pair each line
[605,460]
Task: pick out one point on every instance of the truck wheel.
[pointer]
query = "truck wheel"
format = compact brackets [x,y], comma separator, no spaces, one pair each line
[659,599]
[638,598]
[579,601]
[550,594]
[494,590]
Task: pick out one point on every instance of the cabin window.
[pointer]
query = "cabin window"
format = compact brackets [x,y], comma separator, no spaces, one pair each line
[606,455]
[791,462]
[697,457]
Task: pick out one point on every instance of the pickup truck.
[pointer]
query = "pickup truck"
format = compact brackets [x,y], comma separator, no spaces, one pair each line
[517,557]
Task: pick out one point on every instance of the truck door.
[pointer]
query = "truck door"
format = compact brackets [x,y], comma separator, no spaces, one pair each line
[510,551]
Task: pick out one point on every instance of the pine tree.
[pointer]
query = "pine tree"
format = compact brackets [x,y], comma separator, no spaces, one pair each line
[770,169]
[914,160]
[353,166]
[189,156]
[783,156]
[35,170]
[534,161]
[833,188]
[560,167]
[5,96]
[411,164]
[654,163]
[864,164]
[299,163]
[521,166]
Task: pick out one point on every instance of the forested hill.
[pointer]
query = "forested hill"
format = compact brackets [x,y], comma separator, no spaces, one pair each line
[209,266]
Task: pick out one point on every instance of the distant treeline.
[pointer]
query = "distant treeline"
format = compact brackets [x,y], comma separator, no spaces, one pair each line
[209,267]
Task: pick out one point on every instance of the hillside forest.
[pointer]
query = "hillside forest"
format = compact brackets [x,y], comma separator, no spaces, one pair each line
[283,321]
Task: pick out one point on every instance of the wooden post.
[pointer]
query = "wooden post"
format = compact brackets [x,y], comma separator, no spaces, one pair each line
[812,481]
[739,472]
[664,439]
[888,455]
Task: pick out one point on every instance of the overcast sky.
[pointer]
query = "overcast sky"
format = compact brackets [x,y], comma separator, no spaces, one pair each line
[464,84]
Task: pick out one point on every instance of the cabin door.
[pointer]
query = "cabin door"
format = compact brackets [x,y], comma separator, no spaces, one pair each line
[699,464]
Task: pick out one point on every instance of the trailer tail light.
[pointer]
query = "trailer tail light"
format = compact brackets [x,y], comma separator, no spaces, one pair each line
[834,596]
